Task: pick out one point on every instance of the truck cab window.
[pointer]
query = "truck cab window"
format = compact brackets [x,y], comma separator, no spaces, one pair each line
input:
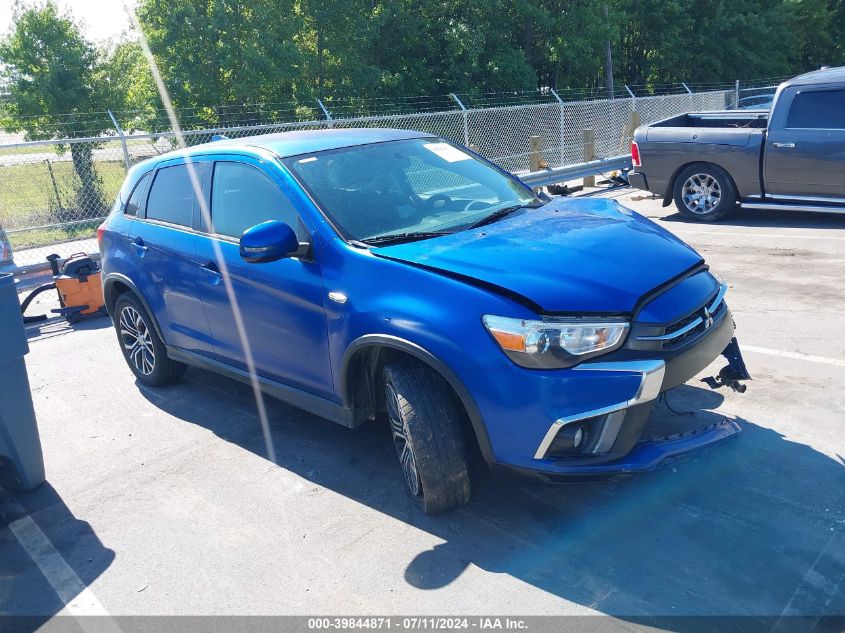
[818,109]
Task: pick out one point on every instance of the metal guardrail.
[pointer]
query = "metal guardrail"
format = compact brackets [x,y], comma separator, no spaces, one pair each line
[574,172]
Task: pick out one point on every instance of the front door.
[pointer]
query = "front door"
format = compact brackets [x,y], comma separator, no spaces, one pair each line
[805,149]
[280,303]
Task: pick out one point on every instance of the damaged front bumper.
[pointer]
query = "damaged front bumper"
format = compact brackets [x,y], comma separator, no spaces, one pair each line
[615,438]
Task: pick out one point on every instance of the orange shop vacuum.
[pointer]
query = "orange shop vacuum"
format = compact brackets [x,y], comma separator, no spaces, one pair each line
[80,287]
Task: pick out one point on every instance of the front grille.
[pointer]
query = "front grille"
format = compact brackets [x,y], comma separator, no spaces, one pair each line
[691,326]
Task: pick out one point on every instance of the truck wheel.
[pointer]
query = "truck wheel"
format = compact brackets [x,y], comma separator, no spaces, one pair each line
[426,427]
[142,348]
[704,193]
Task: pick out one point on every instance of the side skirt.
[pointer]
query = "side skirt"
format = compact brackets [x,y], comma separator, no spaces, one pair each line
[291,395]
[791,206]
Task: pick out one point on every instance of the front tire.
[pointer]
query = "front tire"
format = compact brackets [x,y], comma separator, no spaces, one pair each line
[704,193]
[425,423]
[143,349]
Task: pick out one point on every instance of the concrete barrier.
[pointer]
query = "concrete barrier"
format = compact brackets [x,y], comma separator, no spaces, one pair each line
[21,460]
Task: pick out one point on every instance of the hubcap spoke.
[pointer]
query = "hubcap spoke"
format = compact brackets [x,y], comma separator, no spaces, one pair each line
[136,340]
[401,443]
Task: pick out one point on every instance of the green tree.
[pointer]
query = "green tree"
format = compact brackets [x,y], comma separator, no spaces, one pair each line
[820,26]
[448,46]
[50,69]
[227,53]
[127,87]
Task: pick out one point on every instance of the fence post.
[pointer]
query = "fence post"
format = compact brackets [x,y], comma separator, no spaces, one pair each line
[590,154]
[633,99]
[122,139]
[560,106]
[535,153]
[55,187]
[326,113]
[464,112]
[633,124]
[736,94]
[689,94]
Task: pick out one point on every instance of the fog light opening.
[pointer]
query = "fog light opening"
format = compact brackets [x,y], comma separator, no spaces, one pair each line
[569,438]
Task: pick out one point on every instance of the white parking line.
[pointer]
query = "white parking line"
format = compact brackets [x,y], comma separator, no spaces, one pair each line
[767,235]
[78,599]
[836,362]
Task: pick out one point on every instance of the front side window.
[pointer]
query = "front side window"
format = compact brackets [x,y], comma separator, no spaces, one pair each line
[422,185]
[137,197]
[172,197]
[818,109]
[242,196]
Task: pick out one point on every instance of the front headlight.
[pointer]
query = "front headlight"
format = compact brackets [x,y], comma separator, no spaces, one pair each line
[555,343]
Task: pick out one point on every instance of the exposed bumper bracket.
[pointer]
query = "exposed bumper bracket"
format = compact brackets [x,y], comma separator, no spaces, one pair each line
[731,374]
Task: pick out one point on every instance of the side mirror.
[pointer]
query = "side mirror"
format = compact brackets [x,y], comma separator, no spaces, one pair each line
[269,242]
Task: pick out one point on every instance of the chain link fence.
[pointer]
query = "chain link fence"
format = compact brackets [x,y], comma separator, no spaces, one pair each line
[53,194]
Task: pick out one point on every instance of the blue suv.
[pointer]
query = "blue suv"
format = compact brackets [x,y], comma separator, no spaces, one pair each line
[372,274]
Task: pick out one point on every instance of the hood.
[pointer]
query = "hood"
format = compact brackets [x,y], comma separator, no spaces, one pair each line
[571,256]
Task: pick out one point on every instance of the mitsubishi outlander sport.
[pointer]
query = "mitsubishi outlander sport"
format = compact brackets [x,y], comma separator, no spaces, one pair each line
[389,274]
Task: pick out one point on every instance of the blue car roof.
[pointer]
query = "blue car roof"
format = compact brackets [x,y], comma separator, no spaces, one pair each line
[286,144]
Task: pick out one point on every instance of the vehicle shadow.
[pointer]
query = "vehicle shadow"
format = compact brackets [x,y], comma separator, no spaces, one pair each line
[56,326]
[753,526]
[27,598]
[757,218]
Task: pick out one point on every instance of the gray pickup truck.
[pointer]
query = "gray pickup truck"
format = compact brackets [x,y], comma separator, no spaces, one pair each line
[791,157]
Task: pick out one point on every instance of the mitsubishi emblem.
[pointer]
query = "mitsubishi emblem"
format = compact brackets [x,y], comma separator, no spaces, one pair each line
[708,318]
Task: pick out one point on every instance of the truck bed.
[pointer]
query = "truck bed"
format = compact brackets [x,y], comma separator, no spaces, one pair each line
[730,127]
[718,119]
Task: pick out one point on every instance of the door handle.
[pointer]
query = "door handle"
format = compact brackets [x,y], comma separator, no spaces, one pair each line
[139,246]
[212,272]
[783,145]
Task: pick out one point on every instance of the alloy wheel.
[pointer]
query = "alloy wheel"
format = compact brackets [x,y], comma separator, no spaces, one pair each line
[701,193]
[400,441]
[137,341]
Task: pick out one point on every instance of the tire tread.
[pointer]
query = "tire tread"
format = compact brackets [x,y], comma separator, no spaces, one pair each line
[433,424]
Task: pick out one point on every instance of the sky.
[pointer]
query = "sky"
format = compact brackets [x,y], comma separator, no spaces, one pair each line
[100,19]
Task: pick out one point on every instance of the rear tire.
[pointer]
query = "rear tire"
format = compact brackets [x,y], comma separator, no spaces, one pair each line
[143,349]
[425,422]
[704,193]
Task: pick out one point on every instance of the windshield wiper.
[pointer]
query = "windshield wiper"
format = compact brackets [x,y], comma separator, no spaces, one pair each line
[402,237]
[501,213]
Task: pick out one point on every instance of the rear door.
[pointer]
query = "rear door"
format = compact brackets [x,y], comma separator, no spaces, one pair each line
[805,149]
[280,303]
[163,249]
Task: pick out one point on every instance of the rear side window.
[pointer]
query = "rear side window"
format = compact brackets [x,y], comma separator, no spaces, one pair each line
[820,109]
[137,197]
[172,197]
[242,196]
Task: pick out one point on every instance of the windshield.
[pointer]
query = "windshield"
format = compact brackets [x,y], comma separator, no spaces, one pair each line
[417,186]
